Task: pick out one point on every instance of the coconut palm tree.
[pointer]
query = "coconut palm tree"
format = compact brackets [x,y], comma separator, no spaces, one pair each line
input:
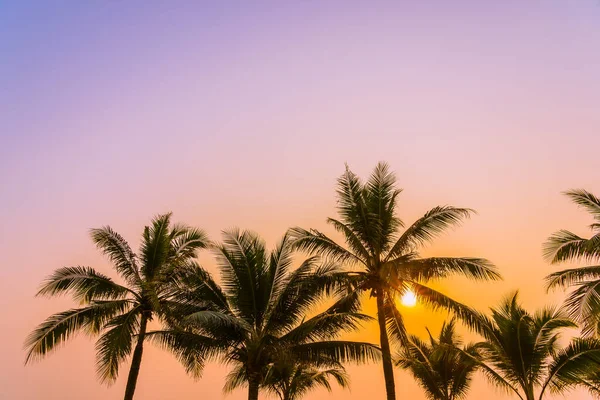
[291,381]
[261,311]
[385,261]
[119,312]
[583,304]
[442,368]
[522,353]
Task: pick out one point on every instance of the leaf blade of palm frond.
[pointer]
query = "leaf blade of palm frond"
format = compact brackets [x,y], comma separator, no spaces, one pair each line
[115,345]
[85,283]
[428,227]
[315,242]
[334,352]
[565,246]
[118,251]
[60,327]
[426,269]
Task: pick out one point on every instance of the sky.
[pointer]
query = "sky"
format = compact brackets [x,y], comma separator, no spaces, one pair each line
[239,113]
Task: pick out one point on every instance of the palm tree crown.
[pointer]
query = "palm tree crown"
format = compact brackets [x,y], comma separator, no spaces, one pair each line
[387,259]
[521,352]
[291,381]
[442,369]
[259,313]
[120,313]
[583,304]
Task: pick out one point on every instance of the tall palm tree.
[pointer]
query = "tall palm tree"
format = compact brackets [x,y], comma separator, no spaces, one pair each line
[583,304]
[119,312]
[522,353]
[442,368]
[260,311]
[291,381]
[387,259]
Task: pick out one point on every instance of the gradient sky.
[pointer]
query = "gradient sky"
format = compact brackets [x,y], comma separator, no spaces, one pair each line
[243,114]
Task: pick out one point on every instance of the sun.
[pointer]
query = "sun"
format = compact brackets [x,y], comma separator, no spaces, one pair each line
[409,299]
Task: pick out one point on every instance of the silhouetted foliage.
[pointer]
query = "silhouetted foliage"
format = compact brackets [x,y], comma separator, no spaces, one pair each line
[384,259]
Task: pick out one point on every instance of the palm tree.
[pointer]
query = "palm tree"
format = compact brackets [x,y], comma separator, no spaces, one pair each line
[290,381]
[442,369]
[119,312]
[583,304]
[522,354]
[260,312]
[387,260]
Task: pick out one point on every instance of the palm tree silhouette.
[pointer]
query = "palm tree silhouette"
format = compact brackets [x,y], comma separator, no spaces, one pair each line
[291,381]
[120,313]
[259,314]
[583,304]
[388,261]
[522,354]
[442,368]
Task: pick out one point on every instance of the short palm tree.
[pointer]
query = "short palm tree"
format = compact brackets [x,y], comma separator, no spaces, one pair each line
[583,304]
[291,381]
[119,312]
[442,368]
[522,354]
[387,259]
[259,314]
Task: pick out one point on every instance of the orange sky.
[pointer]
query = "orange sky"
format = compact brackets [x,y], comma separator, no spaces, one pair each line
[244,116]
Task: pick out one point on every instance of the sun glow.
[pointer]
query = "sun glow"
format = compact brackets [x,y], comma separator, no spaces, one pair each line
[409,299]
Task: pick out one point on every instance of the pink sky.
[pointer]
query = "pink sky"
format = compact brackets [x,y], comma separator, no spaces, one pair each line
[244,116]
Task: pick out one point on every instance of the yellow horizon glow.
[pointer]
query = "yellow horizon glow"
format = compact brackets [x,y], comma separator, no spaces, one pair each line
[409,299]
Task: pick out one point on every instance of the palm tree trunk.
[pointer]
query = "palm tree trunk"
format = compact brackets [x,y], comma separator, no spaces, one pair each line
[253,389]
[386,355]
[136,361]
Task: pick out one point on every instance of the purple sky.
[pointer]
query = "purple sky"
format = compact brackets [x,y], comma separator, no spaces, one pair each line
[243,114]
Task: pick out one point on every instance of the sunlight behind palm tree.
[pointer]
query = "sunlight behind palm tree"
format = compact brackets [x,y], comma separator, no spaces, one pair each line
[409,299]
[388,255]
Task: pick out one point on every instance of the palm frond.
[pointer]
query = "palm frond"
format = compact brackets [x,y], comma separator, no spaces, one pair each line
[566,246]
[305,288]
[428,227]
[491,375]
[242,260]
[426,269]
[436,300]
[60,327]
[394,321]
[380,195]
[571,367]
[586,200]
[85,283]
[118,251]
[573,276]
[352,240]
[342,316]
[235,379]
[155,246]
[185,241]
[415,356]
[583,305]
[548,322]
[353,210]
[277,278]
[291,383]
[218,324]
[333,352]
[115,345]
[191,349]
[315,242]
[443,368]
[195,285]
